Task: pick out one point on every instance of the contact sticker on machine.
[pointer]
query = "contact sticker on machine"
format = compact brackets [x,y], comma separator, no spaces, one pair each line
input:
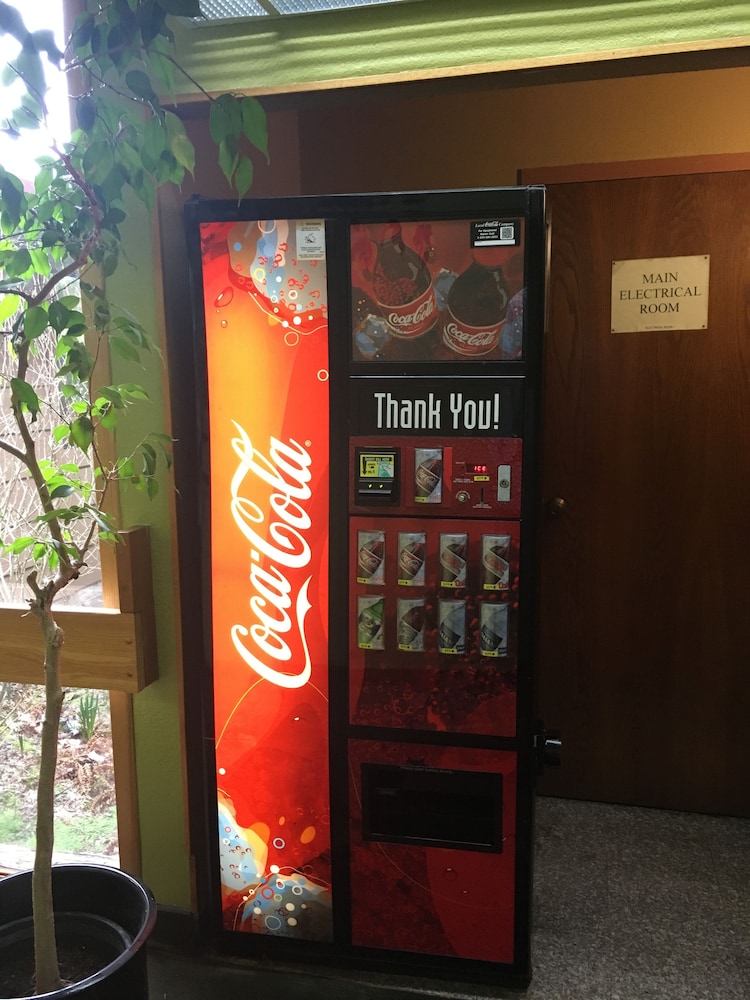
[496,233]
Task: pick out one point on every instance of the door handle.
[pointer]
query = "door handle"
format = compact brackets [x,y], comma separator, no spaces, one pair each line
[556,506]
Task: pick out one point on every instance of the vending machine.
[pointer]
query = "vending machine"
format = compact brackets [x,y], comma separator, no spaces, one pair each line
[367,427]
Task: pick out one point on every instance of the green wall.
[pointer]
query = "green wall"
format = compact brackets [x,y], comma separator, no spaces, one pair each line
[442,37]
[157,709]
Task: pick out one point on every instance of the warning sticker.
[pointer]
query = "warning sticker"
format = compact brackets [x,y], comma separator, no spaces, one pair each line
[311,239]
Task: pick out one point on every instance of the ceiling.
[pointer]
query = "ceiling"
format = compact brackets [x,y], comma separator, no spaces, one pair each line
[222,10]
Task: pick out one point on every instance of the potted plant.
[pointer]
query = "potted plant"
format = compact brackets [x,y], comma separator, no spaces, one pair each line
[59,242]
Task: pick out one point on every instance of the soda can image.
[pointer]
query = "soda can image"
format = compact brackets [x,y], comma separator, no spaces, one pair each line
[493,629]
[370,557]
[453,559]
[410,617]
[428,475]
[451,626]
[495,564]
[370,622]
[412,546]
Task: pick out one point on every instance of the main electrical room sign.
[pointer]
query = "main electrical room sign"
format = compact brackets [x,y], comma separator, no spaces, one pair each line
[660,293]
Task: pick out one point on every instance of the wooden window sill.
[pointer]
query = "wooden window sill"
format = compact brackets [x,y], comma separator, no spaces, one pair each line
[104,648]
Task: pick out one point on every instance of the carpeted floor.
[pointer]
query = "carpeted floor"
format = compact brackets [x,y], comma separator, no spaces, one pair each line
[630,904]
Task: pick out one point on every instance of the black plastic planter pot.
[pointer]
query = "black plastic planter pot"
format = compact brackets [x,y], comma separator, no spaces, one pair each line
[100,911]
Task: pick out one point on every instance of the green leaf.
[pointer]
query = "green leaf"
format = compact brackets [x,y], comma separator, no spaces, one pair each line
[86,113]
[64,490]
[228,157]
[125,468]
[149,459]
[136,392]
[20,544]
[18,265]
[255,125]
[139,83]
[40,262]
[113,396]
[51,237]
[25,394]
[58,316]
[35,322]
[108,418]
[179,144]
[225,118]
[243,180]
[9,305]
[14,201]
[83,30]
[82,432]
[125,349]
[98,160]
[163,70]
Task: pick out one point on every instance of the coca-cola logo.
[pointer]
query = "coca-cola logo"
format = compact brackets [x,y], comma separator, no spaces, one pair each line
[466,342]
[406,320]
[279,556]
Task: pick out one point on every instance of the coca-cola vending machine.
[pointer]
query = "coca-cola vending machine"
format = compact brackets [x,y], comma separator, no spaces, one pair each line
[359,678]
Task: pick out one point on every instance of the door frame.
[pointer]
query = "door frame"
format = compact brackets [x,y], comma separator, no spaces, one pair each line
[574,173]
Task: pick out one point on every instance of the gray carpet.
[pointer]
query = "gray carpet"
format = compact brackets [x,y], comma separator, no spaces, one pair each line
[630,904]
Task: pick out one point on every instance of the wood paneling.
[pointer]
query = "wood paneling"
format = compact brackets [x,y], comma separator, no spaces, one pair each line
[644,627]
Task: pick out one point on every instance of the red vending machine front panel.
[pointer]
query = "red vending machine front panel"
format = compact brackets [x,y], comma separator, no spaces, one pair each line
[436,603]
[267,374]
[433,849]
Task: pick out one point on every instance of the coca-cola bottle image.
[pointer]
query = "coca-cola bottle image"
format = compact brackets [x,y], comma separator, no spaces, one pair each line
[428,475]
[411,625]
[411,555]
[493,633]
[477,303]
[402,284]
[371,550]
[452,628]
[453,560]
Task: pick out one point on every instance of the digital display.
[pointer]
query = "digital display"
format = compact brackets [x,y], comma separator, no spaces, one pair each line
[377,466]
[475,469]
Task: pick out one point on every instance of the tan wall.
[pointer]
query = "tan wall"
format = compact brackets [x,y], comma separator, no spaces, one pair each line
[465,135]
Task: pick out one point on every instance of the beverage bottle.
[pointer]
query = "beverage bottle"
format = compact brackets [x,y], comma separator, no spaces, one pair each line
[428,475]
[370,623]
[370,557]
[453,560]
[452,629]
[477,303]
[411,560]
[411,625]
[402,284]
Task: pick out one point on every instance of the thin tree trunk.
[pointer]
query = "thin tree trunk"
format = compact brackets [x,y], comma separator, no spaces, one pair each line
[47,972]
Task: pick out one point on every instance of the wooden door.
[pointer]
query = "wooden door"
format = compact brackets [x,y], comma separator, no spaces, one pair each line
[645,579]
